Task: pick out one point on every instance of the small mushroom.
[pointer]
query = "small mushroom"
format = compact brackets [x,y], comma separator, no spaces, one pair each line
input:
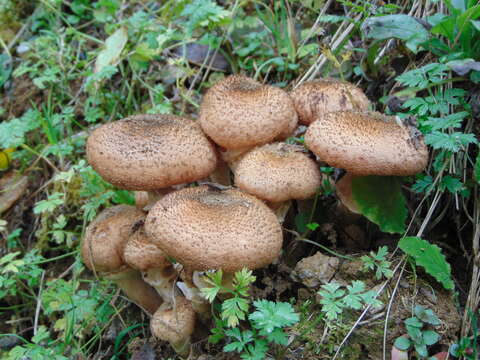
[316,98]
[101,251]
[277,173]
[240,113]
[151,152]
[175,324]
[367,143]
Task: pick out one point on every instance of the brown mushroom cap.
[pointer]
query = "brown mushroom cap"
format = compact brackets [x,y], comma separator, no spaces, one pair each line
[106,236]
[174,324]
[205,228]
[318,97]
[240,112]
[148,152]
[367,143]
[278,172]
[140,253]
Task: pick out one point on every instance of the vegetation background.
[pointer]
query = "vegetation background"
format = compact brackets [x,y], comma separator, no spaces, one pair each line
[68,66]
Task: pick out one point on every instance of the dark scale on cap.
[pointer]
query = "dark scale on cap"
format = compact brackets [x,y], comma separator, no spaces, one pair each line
[208,229]
[148,152]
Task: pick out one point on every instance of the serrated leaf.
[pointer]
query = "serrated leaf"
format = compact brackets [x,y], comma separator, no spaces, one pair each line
[271,315]
[210,293]
[446,122]
[430,257]
[450,142]
[423,184]
[233,310]
[277,336]
[451,184]
[380,200]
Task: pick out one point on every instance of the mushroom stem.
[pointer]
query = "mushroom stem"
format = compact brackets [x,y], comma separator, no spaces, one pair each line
[191,288]
[137,290]
[163,280]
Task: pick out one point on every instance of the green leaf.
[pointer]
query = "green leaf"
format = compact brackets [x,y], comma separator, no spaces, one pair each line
[114,45]
[242,281]
[421,349]
[426,315]
[450,121]
[423,184]
[380,200]
[50,204]
[271,315]
[278,336]
[313,226]
[12,133]
[398,26]
[430,337]
[451,184]
[353,300]
[234,310]
[450,142]
[402,343]
[430,257]
[414,322]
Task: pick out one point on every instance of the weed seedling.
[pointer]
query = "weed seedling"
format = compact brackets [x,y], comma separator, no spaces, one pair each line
[419,335]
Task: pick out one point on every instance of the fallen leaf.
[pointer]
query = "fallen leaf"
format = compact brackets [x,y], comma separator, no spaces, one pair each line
[12,187]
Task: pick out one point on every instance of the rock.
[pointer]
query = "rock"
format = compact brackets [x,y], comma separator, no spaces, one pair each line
[315,270]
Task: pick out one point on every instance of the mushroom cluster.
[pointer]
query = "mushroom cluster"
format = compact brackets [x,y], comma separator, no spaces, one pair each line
[182,215]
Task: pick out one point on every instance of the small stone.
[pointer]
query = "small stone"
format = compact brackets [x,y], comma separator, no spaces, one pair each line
[315,270]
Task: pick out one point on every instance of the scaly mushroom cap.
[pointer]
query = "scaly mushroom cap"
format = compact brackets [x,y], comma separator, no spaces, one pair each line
[367,143]
[240,112]
[174,324]
[148,152]
[315,98]
[278,172]
[206,228]
[140,253]
[106,236]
